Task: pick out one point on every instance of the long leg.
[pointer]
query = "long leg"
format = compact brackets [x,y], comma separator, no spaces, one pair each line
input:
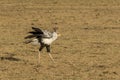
[41,47]
[48,50]
[51,57]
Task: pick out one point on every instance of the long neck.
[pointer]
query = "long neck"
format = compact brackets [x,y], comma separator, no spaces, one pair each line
[54,36]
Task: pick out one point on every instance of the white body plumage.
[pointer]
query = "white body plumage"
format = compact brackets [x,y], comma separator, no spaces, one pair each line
[48,41]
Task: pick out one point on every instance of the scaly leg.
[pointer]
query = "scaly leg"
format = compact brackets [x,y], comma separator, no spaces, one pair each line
[51,57]
[41,47]
[39,57]
[48,50]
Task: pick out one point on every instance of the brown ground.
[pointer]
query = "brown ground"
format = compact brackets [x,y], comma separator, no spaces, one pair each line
[89,48]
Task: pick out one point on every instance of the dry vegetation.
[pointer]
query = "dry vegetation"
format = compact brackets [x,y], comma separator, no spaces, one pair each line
[89,48]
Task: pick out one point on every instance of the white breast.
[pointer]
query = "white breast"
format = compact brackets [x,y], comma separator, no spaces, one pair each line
[48,41]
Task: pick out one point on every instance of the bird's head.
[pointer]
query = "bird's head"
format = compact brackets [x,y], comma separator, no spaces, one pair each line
[55,30]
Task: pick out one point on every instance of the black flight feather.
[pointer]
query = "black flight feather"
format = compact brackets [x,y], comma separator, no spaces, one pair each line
[30,36]
[32,32]
[37,30]
[36,33]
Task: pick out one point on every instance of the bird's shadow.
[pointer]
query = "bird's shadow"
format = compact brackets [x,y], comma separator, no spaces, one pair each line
[10,58]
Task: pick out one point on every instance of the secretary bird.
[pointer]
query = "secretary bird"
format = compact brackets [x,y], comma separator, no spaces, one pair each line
[43,38]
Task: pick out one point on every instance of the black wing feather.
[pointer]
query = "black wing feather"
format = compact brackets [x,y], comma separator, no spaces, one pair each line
[36,33]
[32,32]
[29,36]
[37,30]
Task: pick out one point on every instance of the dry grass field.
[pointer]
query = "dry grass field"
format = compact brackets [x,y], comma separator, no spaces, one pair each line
[88,49]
